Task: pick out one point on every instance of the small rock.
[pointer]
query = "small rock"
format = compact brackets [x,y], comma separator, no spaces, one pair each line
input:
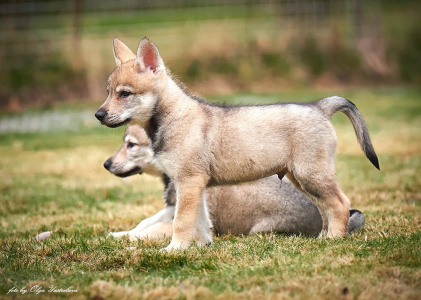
[44,235]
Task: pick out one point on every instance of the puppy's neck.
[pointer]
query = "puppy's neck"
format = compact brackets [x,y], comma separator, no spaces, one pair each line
[170,106]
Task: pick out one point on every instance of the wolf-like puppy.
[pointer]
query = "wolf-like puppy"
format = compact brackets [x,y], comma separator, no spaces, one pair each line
[198,144]
[264,205]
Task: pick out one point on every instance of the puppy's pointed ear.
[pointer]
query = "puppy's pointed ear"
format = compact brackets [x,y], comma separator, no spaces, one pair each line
[122,53]
[148,57]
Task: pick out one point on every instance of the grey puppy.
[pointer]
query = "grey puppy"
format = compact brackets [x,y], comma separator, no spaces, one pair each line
[265,205]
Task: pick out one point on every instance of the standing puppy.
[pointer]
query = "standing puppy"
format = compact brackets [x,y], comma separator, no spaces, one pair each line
[198,144]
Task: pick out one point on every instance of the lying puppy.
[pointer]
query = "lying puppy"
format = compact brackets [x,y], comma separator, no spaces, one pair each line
[265,205]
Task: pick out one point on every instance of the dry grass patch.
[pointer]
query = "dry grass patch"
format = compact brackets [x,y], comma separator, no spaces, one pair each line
[57,183]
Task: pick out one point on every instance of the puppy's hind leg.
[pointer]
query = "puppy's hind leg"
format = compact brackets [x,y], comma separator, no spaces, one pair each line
[322,212]
[329,199]
[335,208]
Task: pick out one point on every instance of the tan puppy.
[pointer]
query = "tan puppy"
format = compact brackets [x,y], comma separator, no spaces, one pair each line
[198,144]
[265,205]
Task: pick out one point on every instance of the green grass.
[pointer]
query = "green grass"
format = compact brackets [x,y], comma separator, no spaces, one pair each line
[56,182]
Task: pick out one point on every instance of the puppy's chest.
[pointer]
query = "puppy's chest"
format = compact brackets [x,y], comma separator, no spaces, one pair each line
[167,162]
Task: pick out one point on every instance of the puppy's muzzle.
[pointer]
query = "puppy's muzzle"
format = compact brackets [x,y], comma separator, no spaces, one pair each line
[101,114]
[107,164]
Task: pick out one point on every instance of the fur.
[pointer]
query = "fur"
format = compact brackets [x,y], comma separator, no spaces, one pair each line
[265,205]
[198,144]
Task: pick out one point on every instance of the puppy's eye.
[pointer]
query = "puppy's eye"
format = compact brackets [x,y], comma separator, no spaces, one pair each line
[125,94]
[130,145]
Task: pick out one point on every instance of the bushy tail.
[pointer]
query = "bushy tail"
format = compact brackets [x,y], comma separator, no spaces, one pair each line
[331,105]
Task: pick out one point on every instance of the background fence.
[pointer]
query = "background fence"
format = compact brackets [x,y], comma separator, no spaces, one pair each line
[58,50]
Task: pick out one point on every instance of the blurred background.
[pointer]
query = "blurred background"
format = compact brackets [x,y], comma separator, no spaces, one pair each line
[55,58]
[60,50]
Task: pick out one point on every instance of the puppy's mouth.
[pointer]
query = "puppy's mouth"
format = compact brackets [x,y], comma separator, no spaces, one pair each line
[115,125]
[134,171]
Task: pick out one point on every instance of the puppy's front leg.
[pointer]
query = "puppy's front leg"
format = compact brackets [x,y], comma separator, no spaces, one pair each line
[165,215]
[203,234]
[190,205]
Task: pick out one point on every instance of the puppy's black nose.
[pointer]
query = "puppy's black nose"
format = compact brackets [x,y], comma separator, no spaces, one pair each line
[107,164]
[100,114]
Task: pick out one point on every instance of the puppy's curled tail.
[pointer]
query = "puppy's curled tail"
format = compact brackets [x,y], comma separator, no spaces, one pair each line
[331,105]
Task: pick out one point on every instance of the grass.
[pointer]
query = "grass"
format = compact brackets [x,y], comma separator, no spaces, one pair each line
[56,182]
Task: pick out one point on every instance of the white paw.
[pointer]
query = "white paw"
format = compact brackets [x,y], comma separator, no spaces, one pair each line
[118,234]
[174,246]
[204,239]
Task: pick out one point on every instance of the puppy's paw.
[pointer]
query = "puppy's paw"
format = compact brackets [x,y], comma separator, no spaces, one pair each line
[206,244]
[118,234]
[175,246]
[323,234]
[203,239]
[203,236]
[334,235]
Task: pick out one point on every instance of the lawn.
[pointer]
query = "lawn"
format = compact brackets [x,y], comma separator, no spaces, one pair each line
[54,181]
